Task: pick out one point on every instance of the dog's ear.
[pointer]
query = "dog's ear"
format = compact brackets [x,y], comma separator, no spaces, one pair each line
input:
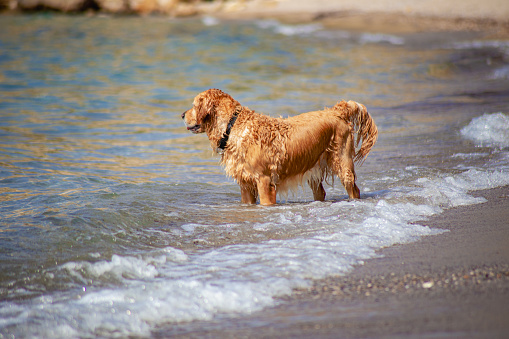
[207,104]
[203,109]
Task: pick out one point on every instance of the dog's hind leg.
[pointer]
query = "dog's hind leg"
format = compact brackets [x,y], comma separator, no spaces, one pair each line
[346,170]
[348,180]
[266,191]
[318,191]
[347,176]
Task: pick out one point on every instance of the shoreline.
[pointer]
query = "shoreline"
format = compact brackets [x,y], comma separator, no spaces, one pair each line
[455,284]
[404,17]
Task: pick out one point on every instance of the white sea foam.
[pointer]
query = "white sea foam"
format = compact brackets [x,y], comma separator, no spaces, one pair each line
[118,268]
[289,30]
[500,73]
[470,155]
[378,37]
[477,44]
[210,21]
[490,130]
[298,29]
[190,227]
[319,31]
[267,24]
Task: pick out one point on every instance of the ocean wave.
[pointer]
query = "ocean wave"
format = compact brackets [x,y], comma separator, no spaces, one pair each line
[289,30]
[366,38]
[478,44]
[491,130]
[319,31]
[210,21]
[500,73]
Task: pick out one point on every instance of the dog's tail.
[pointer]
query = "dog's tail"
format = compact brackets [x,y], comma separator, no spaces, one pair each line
[363,126]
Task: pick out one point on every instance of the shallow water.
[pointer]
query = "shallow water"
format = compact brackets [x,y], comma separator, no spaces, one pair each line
[115,221]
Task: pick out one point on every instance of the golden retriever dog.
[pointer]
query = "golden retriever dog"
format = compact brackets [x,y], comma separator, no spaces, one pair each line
[267,156]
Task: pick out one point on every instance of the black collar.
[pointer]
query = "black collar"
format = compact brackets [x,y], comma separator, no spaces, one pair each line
[226,135]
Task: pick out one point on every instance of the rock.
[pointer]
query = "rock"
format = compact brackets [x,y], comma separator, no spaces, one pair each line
[4,4]
[168,7]
[58,5]
[154,6]
[142,6]
[173,7]
[112,6]
[185,9]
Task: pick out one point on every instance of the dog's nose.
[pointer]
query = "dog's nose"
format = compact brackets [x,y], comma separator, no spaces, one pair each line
[183,115]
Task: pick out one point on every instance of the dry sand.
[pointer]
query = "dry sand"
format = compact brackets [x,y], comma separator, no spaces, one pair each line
[453,285]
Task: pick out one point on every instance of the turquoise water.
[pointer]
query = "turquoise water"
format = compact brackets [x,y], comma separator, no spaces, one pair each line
[115,221]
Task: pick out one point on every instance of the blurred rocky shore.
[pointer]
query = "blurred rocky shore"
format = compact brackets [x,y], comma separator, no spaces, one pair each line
[388,16]
[487,10]
[163,7]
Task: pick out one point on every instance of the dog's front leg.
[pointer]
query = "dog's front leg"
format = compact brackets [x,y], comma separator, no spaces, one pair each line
[318,190]
[248,195]
[266,191]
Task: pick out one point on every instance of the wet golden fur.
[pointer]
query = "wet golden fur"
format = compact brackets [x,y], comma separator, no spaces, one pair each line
[268,155]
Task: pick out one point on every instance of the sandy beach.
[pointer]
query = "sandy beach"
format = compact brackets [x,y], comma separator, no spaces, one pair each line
[453,285]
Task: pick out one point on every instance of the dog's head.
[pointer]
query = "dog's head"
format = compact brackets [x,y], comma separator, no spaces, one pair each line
[204,108]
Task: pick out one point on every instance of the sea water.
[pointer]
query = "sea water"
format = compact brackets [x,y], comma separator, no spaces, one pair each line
[115,221]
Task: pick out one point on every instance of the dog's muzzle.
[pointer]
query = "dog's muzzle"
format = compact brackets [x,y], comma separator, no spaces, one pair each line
[194,128]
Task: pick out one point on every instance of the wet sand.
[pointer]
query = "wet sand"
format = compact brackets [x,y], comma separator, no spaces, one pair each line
[452,285]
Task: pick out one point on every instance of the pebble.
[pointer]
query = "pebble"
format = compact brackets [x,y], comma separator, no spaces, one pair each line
[454,280]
